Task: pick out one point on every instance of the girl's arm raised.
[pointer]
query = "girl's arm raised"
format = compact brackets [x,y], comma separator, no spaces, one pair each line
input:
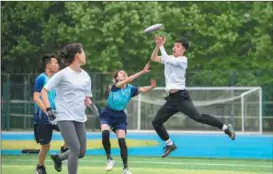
[134,76]
[148,88]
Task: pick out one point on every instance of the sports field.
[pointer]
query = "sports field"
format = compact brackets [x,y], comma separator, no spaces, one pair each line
[16,164]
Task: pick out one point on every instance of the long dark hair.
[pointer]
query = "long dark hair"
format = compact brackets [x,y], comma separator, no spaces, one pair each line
[69,51]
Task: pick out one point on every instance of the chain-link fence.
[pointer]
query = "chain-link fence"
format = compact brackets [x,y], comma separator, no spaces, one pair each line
[17,104]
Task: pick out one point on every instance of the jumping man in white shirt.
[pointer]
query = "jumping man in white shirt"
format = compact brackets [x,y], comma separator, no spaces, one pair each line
[73,94]
[178,100]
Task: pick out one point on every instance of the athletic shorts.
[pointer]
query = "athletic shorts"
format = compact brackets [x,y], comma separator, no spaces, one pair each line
[117,120]
[43,133]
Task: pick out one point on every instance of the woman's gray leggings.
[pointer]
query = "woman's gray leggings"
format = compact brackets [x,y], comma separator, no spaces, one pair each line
[74,134]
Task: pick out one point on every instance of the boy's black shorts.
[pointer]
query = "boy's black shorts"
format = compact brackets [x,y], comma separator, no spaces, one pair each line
[43,133]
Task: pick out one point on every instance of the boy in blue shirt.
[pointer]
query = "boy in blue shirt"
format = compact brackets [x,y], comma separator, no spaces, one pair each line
[43,128]
[113,115]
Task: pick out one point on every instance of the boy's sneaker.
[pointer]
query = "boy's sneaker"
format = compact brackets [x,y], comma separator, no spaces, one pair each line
[40,169]
[168,149]
[63,149]
[57,162]
[230,132]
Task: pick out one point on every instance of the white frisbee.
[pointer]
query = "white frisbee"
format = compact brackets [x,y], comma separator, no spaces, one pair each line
[152,28]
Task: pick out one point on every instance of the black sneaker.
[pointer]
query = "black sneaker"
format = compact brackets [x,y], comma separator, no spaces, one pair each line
[230,132]
[63,149]
[40,169]
[168,149]
[57,162]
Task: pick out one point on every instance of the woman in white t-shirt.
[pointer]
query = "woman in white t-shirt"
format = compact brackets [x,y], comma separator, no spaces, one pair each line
[73,93]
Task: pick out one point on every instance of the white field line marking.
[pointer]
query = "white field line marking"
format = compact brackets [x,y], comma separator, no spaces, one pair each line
[155,162]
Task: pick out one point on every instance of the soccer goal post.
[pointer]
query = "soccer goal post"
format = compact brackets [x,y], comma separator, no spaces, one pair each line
[240,106]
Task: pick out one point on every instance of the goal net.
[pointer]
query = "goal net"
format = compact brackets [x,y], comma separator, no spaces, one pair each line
[240,106]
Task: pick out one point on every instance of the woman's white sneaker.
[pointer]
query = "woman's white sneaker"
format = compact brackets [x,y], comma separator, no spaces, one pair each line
[126,171]
[110,165]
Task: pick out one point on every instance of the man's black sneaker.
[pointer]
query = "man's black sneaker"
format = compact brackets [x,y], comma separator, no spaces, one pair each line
[63,149]
[230,132]
[168,149]
[57,162]
[40,169]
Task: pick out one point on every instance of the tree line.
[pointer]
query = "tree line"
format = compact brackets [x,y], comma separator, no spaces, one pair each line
[231,42]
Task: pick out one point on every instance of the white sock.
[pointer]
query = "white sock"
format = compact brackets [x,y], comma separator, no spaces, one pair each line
[224,127]
[169,142]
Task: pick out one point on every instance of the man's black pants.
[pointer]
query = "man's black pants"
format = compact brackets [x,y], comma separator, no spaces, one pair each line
[180,101]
